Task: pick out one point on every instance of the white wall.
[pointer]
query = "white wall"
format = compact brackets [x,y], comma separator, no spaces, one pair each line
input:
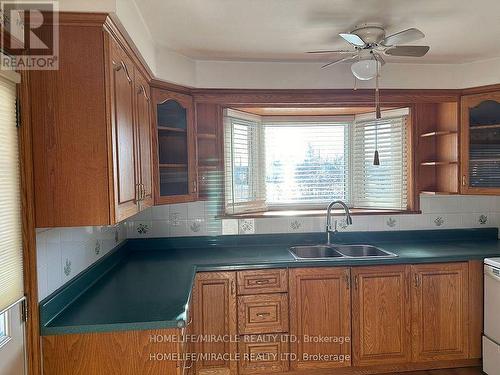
[173,67]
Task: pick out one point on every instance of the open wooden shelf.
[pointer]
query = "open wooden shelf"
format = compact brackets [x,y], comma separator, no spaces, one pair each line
[207,136]
[437,162]
[173,165]
[438,133]
[494,126]
[171,129]
[437,192]
[437,148]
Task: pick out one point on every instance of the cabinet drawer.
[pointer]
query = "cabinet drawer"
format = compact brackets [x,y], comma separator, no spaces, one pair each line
[266,313]
[263,281]
[263,354]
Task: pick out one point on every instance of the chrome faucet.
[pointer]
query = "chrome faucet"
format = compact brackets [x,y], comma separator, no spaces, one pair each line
[348,219]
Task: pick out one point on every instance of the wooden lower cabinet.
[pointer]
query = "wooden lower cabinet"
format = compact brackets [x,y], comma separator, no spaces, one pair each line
[320,317]
[152,352]
[403,318]
[214,319]
[440,311]
[381,315]
[263,354]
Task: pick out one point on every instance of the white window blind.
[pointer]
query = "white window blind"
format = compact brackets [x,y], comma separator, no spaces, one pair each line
[306,161]
[244,156]
[381,186]
[11,264]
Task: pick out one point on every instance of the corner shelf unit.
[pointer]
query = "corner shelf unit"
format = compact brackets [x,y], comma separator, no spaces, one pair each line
[437,147]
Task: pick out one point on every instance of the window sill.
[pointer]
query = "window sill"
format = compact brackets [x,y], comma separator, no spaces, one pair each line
[322,213]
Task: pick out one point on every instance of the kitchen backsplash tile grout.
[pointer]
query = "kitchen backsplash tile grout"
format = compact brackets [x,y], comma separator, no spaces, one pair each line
[64,252]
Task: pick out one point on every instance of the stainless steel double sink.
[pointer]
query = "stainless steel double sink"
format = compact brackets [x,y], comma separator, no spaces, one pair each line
[327,252]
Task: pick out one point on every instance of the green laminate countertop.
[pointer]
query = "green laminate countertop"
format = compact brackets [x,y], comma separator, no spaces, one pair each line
[149,285]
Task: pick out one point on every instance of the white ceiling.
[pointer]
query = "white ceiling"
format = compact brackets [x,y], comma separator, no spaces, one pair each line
[457,31]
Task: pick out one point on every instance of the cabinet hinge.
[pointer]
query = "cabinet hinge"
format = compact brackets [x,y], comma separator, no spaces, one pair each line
[24,310]
[18,114]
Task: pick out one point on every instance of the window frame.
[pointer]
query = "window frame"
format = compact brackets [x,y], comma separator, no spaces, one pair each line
[319,209]
[5,336]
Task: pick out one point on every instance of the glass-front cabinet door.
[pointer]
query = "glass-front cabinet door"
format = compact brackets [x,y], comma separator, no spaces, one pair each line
[481,143]
[175,173]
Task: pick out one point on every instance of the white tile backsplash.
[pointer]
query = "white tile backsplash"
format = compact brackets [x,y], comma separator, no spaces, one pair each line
[77,245]
[62,253]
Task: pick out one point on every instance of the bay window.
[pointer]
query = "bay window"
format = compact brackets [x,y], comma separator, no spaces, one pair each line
[305,162]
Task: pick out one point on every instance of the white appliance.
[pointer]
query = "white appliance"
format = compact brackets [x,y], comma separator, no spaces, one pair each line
[491,337]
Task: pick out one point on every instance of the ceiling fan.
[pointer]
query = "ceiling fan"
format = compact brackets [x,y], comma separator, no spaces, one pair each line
[370,42]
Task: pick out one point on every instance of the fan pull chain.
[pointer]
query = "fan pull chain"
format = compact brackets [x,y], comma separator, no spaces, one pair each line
[378,115]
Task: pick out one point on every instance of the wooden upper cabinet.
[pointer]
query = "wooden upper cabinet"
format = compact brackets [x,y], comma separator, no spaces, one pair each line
[143,139]
[440,311]
[125,145]
[174,148]
[90,129]
[214,315]
[320,317]
[480,143]
[381,316]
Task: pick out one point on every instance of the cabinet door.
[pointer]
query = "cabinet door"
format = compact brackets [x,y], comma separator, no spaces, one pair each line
[480,143]
[214,320]
[381,320]
[174,148]
[123,135]
[143,128]
[320,318]
[439,309]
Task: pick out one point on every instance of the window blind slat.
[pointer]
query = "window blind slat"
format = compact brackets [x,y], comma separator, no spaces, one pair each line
[11,264]
[385,185]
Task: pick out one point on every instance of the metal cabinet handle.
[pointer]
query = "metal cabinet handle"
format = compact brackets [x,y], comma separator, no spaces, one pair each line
[417,281]
[262,281]
[356,282]
[464,180]
[194,186]
[233,287]
[263,314]
[348,280]
[142,90]
[118,66]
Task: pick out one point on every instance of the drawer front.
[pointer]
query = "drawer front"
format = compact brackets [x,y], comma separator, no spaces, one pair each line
[263,354]
[263,281]
[265,313]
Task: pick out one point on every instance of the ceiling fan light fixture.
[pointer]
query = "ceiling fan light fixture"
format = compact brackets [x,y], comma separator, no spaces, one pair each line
[365,69]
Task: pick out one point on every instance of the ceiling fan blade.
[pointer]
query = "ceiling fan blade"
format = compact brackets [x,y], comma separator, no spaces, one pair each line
[333,51]
[405,36]
[353,39]
[410,51]
[339,61]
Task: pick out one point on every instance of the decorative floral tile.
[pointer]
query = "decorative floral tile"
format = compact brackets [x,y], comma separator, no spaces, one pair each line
[295,225]
[391,222]
[175,219]
[483,219]
[142,228]
[439,221]
[196,227]
[342,225]
[97,247]
[247,226]
[67,267]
